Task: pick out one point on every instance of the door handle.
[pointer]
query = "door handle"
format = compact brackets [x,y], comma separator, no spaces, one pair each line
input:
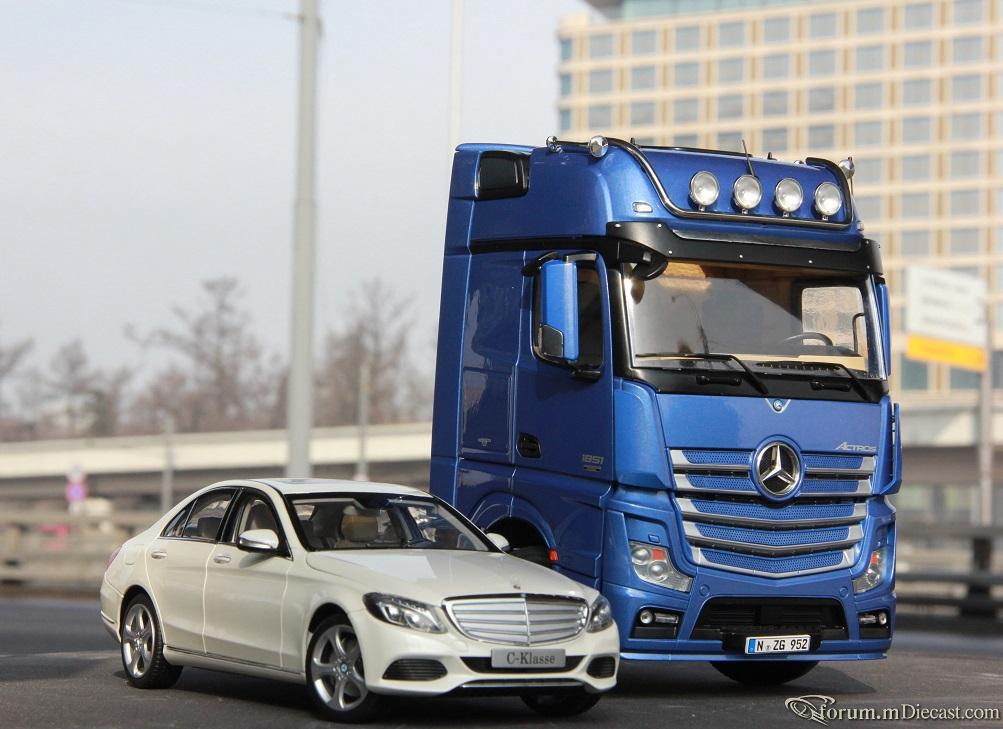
[158,553]
[221,559]
[528,446]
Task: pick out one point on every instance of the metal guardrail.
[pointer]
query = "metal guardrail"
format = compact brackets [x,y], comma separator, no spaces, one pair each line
[940,566]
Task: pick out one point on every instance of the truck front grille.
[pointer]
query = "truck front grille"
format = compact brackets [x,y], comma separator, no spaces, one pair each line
[729,525]
[518,620]
[768,615]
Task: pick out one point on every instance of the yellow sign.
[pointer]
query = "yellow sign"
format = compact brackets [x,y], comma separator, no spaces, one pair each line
[937,350]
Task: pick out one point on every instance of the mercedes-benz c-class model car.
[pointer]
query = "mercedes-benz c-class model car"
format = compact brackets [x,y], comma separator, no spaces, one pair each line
[359,590]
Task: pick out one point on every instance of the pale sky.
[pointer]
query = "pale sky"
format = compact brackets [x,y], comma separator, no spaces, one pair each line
[146,145]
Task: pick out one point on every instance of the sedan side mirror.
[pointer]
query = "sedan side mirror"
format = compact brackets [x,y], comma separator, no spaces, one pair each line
[501,542]
[264,541]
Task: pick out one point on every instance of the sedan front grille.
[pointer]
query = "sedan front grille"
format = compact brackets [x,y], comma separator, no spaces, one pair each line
[518,620]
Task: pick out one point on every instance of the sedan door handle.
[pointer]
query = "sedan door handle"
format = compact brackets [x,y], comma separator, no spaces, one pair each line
[158,553]
[221,559]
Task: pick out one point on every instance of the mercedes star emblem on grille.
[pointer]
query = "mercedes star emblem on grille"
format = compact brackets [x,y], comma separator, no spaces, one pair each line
[778,468]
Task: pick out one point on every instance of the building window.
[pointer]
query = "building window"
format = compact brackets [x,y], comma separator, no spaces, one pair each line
[916,129]
[642,113]
[685,111]
[822,63]
[967,11]
[564,120]
[822,136]
[965,241]
[776,30]
[729,141]
[963,379]
[642,78]
[822,99]
[966,127]
[967,49]
[915,167]
[643,42]
[870,21]
[601,81]
[645,141]
[965,164]
[778,65]
[731,35]
[915,375]
[919,15]
[823,25]
[870,58]
[600,116]
[565,84]
[729,106]
[966,202]
[688,38]
[775,103]
[917,92]
[867,133]
[868,96]
[868,207]
[686,140]
[687,74]
[601,46]
[917,54]
[567,49]
[915,205]
[915,244]
[775,139]
[869,170]
[730,70]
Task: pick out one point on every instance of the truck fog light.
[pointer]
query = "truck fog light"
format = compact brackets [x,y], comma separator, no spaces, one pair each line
[653,564]
[747,193]
[788,195]
[704,189]
[876,572]
[646,617]
[828,199]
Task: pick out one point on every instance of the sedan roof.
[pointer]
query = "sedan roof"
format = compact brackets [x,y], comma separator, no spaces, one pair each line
[333,485]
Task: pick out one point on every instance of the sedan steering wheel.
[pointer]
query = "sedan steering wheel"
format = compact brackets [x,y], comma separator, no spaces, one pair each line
[809,335]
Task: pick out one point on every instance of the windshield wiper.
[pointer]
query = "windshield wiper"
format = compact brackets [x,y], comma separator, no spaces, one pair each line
[755,379]
[855,381]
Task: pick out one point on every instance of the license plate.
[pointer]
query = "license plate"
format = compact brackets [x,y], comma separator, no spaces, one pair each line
[527,659]
[778,644]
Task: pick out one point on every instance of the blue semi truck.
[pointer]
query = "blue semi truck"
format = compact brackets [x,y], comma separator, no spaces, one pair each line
[664,371]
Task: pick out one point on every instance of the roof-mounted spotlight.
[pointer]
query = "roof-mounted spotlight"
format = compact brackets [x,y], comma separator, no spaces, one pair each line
[747,193]
[704,189]
[828,200]
[598,146]
[788,195]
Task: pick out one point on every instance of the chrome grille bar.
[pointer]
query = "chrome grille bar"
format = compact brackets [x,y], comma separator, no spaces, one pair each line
[520,620]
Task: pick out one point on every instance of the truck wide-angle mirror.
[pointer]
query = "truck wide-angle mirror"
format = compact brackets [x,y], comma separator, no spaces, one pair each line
[557,331]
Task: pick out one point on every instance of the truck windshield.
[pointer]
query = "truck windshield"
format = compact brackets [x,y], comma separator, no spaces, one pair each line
[774,319]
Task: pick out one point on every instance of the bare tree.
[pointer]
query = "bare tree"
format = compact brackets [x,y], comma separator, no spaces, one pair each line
[68,382]
[377,332]
[105,404]
[12,357]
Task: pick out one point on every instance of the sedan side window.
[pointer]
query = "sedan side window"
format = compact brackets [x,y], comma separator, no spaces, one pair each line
[254,512]
[207,516]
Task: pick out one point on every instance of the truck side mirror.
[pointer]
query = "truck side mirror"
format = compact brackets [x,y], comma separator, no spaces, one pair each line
[557,330]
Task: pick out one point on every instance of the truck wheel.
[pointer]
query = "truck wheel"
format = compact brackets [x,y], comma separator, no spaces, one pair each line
[764,673]
[561,704]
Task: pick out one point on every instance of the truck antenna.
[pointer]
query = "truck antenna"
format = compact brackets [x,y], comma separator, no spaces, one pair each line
[748,158]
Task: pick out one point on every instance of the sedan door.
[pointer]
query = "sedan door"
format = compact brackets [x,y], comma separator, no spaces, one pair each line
[176,564]
[244,590]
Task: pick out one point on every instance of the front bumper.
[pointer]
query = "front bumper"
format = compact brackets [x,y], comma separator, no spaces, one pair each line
[385,644]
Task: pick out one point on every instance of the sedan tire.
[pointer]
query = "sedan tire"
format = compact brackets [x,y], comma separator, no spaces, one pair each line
[336,676]
[142,647]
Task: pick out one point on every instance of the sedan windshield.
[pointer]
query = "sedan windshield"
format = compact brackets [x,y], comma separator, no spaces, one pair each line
[382,521]
[772,318]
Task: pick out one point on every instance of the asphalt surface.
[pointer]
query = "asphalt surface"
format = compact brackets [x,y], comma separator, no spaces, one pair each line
[58,668]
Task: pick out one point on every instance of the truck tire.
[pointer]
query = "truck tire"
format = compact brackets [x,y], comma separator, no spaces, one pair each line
[764,673]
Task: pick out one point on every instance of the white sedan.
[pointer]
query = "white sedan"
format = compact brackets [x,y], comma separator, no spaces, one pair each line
[357,589]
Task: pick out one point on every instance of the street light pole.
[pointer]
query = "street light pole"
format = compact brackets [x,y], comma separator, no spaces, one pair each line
[299,413]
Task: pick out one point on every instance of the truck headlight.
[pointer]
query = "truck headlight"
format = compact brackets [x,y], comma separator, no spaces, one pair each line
[828,199]
[653,564]
[876,572]
[704,189]
[600,615]
[788,195]
[403,612]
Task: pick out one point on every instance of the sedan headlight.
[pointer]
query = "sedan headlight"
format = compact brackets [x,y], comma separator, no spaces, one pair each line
[876,572]
[652,564]
[600,615]
[403,612]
